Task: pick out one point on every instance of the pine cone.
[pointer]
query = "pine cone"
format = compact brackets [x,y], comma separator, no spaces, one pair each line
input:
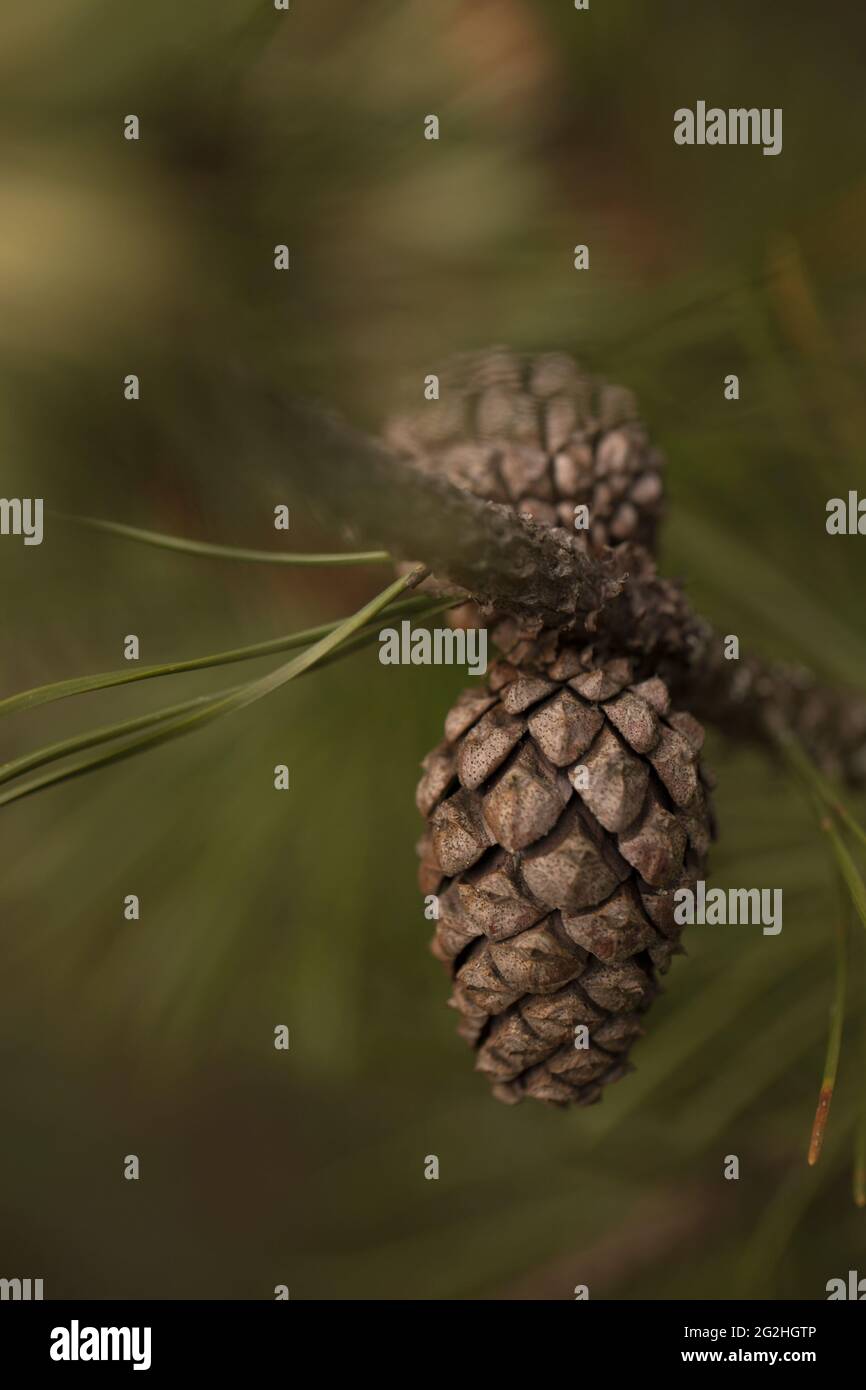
[565,805]
[540,435]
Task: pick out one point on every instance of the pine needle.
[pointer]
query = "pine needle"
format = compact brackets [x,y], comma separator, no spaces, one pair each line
[821,794]
[54,752]
[223,552]
[105,680]
[827,804]
[820,785]
[850,872]
[834,1038]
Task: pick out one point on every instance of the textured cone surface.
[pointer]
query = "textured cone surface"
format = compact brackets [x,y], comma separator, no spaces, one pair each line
[564,807]
[540,435]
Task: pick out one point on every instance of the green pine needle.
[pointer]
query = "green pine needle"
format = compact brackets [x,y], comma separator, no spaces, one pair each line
[829,810]
[823,796]
[52,752]
[223,552]
[834,1037]
[186,719]
[83,685]
[819,784]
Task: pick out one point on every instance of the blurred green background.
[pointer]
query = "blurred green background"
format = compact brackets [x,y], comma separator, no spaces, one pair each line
[155,1038]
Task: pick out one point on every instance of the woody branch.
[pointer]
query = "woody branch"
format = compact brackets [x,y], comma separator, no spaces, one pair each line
[614,599]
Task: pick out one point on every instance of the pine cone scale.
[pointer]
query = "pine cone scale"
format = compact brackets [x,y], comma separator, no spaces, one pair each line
[542,436]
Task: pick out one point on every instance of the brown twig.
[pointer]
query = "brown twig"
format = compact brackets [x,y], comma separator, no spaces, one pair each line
[613,598]
[517,564]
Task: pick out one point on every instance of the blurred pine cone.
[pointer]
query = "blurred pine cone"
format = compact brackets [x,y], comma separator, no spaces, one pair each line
[565,805]
[538,434]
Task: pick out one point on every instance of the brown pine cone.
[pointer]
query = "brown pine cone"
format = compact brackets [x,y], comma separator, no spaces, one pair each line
[538,434]
[565,805]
